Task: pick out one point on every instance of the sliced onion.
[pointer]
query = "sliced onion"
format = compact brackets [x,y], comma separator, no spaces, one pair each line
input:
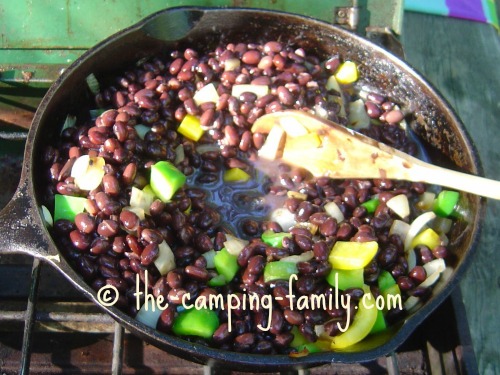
[333,210]
[139,211]
[416,227]
[234,245]
[411,303]
[442,224]
[46,216]
[284,218]
[165,262]
[273,146]
[231,64]
[399,228]
[141,199]
[209,257]
[147,316]
[179,154]
[430,280]
[88,172]
[399,205]
[358,119]
[313,228]
[411,258]
[207,94]
[436,265]
[304,257]
[319,329]
[296,194]
[426,201]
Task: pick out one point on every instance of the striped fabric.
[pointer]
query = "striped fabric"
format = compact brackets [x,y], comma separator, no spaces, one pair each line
[476,10]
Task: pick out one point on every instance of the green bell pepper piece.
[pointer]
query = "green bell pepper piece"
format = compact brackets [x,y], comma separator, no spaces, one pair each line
[279,271]
[274,239]
[371,205]
[446,202]
[226,264]
[67,207]
[346,278]
[201,323]
[385,280]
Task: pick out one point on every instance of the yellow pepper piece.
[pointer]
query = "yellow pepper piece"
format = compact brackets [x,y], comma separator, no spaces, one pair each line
[190,127]
[236,175]
[347,73]
[346,255]
[361,326]
[427,237]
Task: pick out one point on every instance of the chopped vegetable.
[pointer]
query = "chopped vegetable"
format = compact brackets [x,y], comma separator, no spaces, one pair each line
[347,73]
[300,343]
[207,94]
[371,205]
[67,207]
[226,264]
[362,324]
[358,118]
[304,257]
[219,280]
[274,239]
[149,314]
[165,262]
[166,179]
[193,322]
[231,64]
[442,225]
[426,201]
[88,172]
[399,205]
[272,148]
[446,202]
[284,218]
[346,255]
[142,198]
[235,175]
[190,128]
[416,227]
[92,83]
[46,216]
[279,271]
[427,237]
[390,295]
[385,280]
[332,209]
[380,323]
[209,257]
[345,279]
[234,245]
[399,228]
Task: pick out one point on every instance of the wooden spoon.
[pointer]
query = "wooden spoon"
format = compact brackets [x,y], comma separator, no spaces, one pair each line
[344,153]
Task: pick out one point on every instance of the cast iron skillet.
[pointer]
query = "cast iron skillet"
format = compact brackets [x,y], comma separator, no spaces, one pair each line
[22,229]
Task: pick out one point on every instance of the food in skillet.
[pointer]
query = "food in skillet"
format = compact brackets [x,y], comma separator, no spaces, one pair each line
[164,189]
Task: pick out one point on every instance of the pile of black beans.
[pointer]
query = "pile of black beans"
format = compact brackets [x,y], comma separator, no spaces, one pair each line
[108,245]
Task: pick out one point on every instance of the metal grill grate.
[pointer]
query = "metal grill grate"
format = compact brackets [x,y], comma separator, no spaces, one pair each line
[97,344]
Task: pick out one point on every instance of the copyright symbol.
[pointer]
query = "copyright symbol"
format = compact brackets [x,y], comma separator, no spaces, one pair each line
[107,295]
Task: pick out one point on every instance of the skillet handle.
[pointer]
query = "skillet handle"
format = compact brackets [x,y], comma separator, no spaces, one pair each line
[22,229]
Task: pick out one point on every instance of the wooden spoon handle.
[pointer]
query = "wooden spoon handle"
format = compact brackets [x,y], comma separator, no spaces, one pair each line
[432,174]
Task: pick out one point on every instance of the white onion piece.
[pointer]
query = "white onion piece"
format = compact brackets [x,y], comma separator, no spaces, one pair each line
[411,258]
[358,119]
[319,111]
[399,205]
[430,280]
[304,257]
[399,228]
[147,316]
[273,146]
[319,329]
[165,262]
[411,303]
[293,128]
[46,216]
[234,245]
[179,154]
[333,210]
[231,64]
[209,257]
[88,172]
[259,90]
[442,225]
[284,218]
[141,199]
[207,94]
[416,227]
[444,240]
[436,265]
[426,201]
